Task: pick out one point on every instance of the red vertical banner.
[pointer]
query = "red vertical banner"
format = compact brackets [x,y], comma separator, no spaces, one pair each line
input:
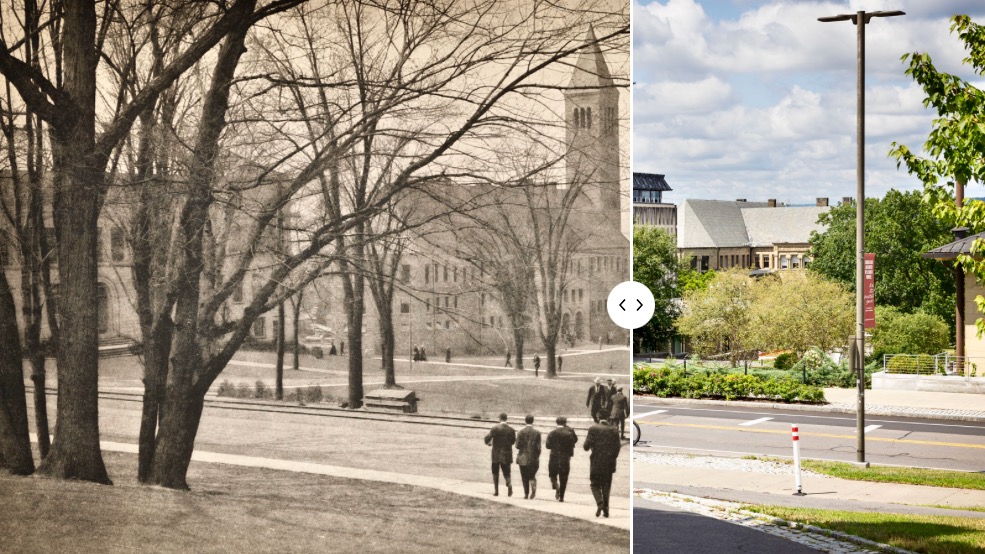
[869,291]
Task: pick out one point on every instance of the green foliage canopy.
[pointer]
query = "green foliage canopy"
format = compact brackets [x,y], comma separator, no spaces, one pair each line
[901,333]
[656,265]
[899,228]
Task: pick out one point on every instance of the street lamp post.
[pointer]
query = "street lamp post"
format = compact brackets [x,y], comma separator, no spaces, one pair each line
[856,361]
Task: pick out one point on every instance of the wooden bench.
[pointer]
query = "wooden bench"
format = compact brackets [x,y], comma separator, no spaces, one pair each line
[392,400]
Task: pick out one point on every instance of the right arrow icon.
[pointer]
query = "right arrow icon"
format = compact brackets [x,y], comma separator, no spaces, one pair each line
[640,304]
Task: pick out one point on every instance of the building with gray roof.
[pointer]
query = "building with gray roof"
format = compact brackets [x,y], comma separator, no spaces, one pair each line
[721,234]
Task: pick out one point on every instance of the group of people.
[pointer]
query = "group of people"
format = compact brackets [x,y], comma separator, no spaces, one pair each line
[602,441]
[607,402]
[419,354]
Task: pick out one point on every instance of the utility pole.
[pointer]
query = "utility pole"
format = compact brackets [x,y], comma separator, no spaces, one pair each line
[856,359]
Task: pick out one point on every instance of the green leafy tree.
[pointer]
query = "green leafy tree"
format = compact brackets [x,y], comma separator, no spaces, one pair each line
[656,265]
[901,333]
[956,143]
[717,318]
[899,228]
[799,311]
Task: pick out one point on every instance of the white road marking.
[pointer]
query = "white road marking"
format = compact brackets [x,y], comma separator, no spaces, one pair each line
[645,414]
[870,428]
[754,422]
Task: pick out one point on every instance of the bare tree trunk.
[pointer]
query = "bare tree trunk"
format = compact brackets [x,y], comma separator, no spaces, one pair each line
[518,341]
[78,182]
[388,347]
[15,443]
[354,309]
[157,350]
[281,333]
[296,306]
[182,413]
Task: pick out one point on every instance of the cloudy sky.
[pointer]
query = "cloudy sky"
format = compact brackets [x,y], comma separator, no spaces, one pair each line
[756,99]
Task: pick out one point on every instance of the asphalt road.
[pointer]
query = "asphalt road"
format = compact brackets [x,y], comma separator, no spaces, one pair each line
[661,529]
[761,431]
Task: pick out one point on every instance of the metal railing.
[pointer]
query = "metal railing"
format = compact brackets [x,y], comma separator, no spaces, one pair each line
[926,364]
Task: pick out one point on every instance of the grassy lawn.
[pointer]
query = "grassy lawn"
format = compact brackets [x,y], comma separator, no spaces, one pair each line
[540,397]
[928,534]
[905,475]
[235,509]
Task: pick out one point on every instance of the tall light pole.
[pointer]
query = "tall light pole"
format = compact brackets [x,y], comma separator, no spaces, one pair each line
[856,361]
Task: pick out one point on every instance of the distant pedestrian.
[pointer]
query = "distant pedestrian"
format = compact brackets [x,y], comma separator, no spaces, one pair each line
[528,457]
[596,399]
[501,438]
[559,363]
[508,354]
[341,347]
[332,351]
[448,355]
[424,354]
[619,412]
[536,363]
[603,441]
[417,354]
[561,442]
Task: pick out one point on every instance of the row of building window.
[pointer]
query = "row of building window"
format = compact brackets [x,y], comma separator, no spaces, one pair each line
[761,261]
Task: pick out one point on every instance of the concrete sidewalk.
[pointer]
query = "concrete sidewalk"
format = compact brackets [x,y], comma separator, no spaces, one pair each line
[739,481]
[575,505]
[893,403]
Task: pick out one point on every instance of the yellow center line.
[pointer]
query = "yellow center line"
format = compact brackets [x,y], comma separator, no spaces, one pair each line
[810,434]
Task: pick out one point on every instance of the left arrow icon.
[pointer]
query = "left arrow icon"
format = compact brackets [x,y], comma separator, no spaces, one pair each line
[621,303]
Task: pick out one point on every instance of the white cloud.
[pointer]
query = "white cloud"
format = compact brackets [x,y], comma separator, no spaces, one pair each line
[761,103]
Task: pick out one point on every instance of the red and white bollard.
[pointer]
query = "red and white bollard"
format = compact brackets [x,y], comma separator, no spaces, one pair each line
[796,458]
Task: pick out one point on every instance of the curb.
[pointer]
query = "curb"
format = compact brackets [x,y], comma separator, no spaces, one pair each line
[877,410]
[722,505]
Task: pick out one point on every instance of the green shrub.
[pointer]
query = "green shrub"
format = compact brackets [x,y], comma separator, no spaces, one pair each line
[261,390]
[313,393]
[785,360]
[244,391]
[670,382]
[226,388]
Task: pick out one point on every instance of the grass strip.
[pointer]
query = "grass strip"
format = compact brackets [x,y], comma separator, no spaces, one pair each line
[904,475]
[928,534]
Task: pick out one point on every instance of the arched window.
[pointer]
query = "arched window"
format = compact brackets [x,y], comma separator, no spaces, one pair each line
[783,262]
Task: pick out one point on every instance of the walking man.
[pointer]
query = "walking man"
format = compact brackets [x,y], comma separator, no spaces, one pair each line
[501,438]
[508,354]
[561,442]
[528,457]
[619,412]
[596,399]
[536,364]
[603,441]
[559,362]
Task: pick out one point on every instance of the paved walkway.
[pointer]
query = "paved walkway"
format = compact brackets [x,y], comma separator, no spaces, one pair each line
[762,482]
[575,505]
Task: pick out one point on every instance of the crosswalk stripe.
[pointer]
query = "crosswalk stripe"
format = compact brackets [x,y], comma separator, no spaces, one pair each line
[755,422]
[870,428]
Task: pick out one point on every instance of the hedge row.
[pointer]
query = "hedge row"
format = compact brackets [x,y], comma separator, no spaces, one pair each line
[672,382]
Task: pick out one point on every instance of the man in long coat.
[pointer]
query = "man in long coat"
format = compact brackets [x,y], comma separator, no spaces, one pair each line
[561,442]
[501,438]
[596,399]
[528,457]
[603,441]
[619,412]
